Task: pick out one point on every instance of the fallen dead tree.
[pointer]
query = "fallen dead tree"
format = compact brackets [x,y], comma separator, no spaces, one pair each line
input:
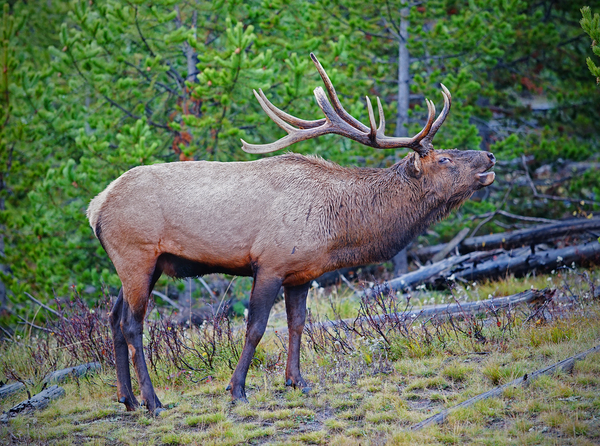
[57,376]
[9,389]
[36,402]
[495,264]
[516,239]
[447,310]
[565,365]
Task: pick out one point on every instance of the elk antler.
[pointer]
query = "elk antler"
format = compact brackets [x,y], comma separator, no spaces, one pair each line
[338,121]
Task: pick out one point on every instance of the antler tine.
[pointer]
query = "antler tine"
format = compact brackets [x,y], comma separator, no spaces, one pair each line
[373,134]
[271,111]
[301,123]
[427,141]
[381,128]
[308,129]
[337,106]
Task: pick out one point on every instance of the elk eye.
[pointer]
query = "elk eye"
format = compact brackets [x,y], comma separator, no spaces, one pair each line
[445,160]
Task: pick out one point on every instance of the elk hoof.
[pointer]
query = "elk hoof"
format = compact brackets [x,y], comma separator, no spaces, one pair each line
[228,387]
[238,394]
[298,384]
[240,400]
[158,411]
[130,405]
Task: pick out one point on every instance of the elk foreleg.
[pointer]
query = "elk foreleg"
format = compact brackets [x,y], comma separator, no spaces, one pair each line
[264,292]
[124,390]
[295,306]
[132,325]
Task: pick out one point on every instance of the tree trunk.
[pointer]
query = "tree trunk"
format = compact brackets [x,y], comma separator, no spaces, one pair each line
[400,260]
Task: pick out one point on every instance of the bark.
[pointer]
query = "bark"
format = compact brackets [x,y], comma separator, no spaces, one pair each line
[523,237]
[565,365]
[445,311]
[37,402]
[434,272]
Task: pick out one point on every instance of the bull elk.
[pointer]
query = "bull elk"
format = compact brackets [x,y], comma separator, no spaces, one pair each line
[284,220]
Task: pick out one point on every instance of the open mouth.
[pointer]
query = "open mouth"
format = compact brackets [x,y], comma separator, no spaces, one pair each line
[487,177]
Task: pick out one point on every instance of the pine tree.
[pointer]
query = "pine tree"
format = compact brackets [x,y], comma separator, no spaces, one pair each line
[591,25]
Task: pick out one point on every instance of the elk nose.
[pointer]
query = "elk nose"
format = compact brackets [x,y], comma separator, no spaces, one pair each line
[491,157]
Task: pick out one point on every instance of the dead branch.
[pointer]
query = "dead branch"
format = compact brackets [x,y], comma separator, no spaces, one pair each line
[45,307]
[458,238]
[565,365]
[168,300]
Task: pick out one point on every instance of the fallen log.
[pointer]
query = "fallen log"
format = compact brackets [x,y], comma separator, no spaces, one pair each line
[9,389]
[437,270]
[541,261]
[57,376]
[447,310]
[60,375]
[36,402]
[522,237]
[494,264]
[566,365]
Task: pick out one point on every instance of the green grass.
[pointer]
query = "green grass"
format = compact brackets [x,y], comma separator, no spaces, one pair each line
[354,400]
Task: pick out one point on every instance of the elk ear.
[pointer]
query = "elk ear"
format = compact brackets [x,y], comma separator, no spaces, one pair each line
[415,166]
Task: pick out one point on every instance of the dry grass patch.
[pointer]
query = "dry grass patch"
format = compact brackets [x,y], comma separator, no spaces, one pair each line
[354,401]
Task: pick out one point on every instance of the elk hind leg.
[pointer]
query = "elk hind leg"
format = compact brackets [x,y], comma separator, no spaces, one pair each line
[124,390]
[264,292]
[132,325]
[295,306]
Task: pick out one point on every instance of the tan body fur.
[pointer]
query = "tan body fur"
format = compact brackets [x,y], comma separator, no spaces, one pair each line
[301,216]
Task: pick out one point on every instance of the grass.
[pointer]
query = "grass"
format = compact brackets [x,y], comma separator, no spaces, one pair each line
[370,393]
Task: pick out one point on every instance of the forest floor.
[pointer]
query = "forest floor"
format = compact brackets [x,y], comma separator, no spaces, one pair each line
[367,389]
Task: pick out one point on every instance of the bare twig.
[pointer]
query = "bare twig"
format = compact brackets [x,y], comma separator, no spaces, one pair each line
[167,299]
[347,282]
[45,307]
[31,324]
[206,287]
[513,216]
